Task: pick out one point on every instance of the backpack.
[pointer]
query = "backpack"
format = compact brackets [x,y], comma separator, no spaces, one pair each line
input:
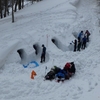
[50,75]
[72,69]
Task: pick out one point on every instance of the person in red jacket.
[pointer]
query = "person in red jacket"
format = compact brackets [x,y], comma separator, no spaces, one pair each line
[70,68]
[87,33]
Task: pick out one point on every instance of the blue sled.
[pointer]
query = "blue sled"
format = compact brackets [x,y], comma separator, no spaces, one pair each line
[34,62]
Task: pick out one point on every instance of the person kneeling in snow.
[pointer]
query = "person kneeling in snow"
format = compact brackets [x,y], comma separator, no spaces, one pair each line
[70,68]
[51,74]
[61,75]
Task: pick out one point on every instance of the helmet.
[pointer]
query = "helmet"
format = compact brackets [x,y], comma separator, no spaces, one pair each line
[68,65]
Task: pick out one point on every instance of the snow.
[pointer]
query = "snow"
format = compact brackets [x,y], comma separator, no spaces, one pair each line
[38,24]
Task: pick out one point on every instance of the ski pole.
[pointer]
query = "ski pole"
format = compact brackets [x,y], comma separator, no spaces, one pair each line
[53,62]
[45,69]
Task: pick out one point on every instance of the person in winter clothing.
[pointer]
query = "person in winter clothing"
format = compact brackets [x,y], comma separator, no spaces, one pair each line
[84,40]
[78,45]
[80,36]
[70,68]
[61,75]
[51,74]
[43,54]
[56,69]
[75,45]
[87,33]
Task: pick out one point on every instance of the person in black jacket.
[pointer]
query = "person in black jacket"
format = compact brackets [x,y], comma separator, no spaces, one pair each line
[79,45]
[70,68]
[43,54]
[51,74]
[75,45]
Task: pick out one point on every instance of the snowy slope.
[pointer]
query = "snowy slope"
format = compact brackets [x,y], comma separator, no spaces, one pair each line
[38,24]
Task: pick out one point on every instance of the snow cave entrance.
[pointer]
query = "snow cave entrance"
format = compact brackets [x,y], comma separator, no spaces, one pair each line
[59,44]
[21,53]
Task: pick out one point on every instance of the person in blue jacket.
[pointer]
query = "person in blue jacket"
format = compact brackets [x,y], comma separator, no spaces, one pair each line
[61,75]
[80,36]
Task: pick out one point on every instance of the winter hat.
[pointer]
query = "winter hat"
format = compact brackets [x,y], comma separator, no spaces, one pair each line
[42,45]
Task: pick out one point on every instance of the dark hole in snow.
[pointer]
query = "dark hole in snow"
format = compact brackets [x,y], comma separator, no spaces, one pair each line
[36,47]
[59,44]
[53,40]
[21,53]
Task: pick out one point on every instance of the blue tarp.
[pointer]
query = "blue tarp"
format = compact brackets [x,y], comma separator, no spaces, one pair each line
[33,63]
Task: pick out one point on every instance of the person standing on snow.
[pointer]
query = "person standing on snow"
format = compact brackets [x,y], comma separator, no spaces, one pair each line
[75,45]
[87,33]
[78,45]
[80,36]
[43,54]
[84,40]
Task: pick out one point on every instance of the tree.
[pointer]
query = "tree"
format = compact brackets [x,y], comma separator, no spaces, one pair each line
[12,11]
[1,9]
[19,4]
[16,3]
[98,2]
[32,1]
[5,7]
[22,3]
